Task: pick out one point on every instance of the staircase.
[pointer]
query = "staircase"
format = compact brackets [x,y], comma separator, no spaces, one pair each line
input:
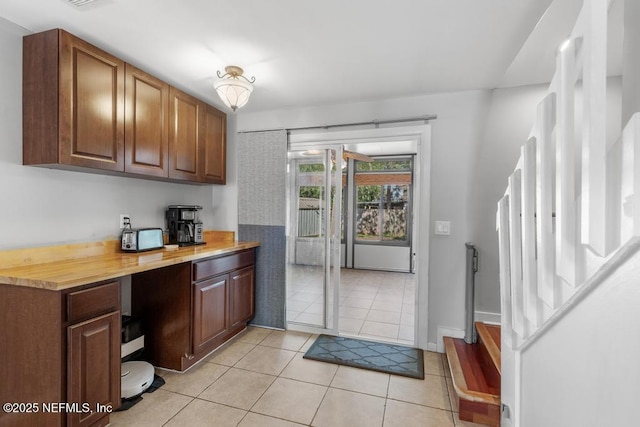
[475,372]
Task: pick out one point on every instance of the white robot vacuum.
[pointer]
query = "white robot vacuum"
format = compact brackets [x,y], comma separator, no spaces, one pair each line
[136,377]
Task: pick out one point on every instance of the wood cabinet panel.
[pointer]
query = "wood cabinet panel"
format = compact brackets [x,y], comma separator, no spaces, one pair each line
[185,318]
[214,266]
[93,367]
[214,146]
[84,109]
[161,298]
[184,131]
[147,123]
[91,106]
[32,352]
[73,103]
[210,315]
[241,296]
[87,303]
[40,92]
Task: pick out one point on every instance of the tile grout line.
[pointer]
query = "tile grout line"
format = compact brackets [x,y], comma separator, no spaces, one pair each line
[275,377]
[323,397]
[280,375]
[181,409]
[386,399]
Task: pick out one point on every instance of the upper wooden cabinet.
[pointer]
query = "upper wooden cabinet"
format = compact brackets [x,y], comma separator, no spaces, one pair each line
[197,140]
[147,123]
[185,135]
[215,146]
[86,109]
[73,103]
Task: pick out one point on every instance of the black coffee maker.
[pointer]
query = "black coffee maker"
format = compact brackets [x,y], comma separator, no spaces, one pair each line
[184,225]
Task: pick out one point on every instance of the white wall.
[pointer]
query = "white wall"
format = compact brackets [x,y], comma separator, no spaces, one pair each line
[509,121]
[225,197]
[40,206]
[455,136]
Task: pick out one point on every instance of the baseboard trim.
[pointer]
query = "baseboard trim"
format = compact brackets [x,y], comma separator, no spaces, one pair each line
[487,317]
[447,332]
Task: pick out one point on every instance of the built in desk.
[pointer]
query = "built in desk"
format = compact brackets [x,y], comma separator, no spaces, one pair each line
[60,309]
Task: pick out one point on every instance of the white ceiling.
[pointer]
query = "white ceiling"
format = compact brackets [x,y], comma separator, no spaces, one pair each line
[305,53]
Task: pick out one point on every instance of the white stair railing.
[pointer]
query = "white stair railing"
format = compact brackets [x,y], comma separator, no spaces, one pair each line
[563,216]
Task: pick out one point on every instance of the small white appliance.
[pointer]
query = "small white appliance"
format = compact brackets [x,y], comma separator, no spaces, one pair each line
[136,377]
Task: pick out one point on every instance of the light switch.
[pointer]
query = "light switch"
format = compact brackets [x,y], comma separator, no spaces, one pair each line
[443,228]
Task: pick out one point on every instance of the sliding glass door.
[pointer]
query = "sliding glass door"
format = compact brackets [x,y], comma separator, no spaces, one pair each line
[313,236]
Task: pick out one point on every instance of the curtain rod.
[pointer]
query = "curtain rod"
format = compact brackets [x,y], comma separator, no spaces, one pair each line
[376,123]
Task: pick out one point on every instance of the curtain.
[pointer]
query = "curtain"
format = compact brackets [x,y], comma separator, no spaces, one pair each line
[262,163]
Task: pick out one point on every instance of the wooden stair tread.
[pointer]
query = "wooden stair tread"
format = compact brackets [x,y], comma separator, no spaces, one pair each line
[490,337]
[467,374]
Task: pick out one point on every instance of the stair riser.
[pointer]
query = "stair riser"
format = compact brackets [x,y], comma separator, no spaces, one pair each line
[488,367]
[481,413]
[475,373]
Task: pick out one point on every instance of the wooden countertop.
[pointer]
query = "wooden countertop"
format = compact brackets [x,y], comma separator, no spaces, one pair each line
[44,268]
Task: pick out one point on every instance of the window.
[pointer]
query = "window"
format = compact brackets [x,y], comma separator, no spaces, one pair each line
[311,181]
[383,190]
[310,198]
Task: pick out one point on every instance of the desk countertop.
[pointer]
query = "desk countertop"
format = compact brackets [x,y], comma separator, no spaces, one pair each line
[60,274]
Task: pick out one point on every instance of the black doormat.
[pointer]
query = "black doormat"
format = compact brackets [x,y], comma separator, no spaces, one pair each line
[376,356]
[126,404]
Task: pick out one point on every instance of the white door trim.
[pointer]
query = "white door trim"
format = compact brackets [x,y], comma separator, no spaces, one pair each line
[395,140]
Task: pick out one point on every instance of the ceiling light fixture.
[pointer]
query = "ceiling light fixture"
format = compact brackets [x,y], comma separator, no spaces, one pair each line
[233,88]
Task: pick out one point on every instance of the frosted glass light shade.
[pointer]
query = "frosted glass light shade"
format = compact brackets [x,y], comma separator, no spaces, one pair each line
[233,91]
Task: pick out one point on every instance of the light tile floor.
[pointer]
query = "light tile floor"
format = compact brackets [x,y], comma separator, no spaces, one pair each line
[373,304]
[260,379]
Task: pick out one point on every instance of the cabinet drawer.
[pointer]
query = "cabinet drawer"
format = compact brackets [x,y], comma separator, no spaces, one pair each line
[211,267]
[91,302]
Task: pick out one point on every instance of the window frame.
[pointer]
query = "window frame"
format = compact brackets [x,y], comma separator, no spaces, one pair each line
[409,203]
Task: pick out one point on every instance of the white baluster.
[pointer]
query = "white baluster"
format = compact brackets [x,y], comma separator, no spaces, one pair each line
[630,185]
[594,79]
[530,285]
[565,165]
[544,197]
[515,250]
[505,270]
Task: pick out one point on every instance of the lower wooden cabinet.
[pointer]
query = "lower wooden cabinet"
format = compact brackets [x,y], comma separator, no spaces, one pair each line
[189,309]
[63,347]
[60,349]
[241,297]
[210,311]
[93,369]
[223,303]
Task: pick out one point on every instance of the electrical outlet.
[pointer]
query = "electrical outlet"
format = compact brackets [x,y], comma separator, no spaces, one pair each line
[125,220]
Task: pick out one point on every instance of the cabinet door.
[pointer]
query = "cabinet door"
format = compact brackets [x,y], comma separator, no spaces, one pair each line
[147,123]
[210,316]
[241,296]
[214,146]
[91,116]
[185,127]
[93,367]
